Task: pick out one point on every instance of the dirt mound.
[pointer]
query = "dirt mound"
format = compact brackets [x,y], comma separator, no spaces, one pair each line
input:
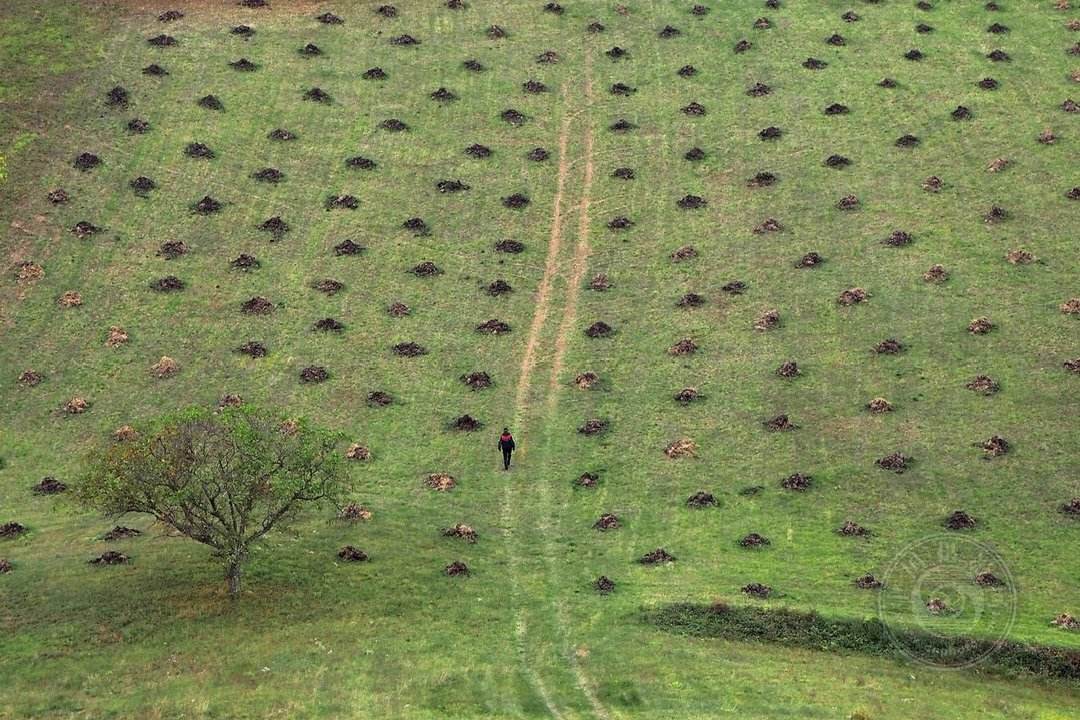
[451,186]
[656,557]
[5,566]
[683,447]
[1070,106]
[621,126]
[515,201]
[599,329]
[1065,621]
[735,287]
[30,378]
[595,27]
[757,590]
[417,227]
[269,174]
[328,286]
[779,423]
[352,554]
[498,287]
[587,380]
[512,247]
[155,70]
[988,579]
[897,238]
[691,300]
[983,384]
[788,369]
[994,446]
[770,133]
[1073,193]
[69,298]
[837,161]
[889,346]
[117,336]
[754,540]
[206,206]
[959,520]
[198,150]
[120,532]
[457,568]
[814,64]
[341,202]
[244,31]
[852,529]
[455,4]
[758,90]
[548,57]
[687,71]
[687,395]
[49,486]
[354,511]
[607,521]
[587,480]
[409,350]
[742,46]
[852,296]
[117,97]
[767,320]
[378,398]
[142,184]
[11,529]
[478,151]
[461,531]
[933,184]
[691,202]
[700,499]
[84,229]
[493,327]
[868,582]
[318,95]
[879,406]
[914,55]
[244,262]
[850,16]
[172,249]
[426,269]
[995,214]
[797,482]
[1072,366]
[328,18]
[1072,507]
[313,50]
[761,179]
[836,40]
[980,326]
[694,154]
[895,462]
[28,272]
[906,141]
[257,305]
[1070,306]
[694,109]
[387,11]
[686,346]
[604,585]
[110,557]
[936,274]
[810,259]
[165,367]
[848,202]
[443,95]
[59,196]
[477,380]
[360,162]
[358,452]
[230,400]
[243,65]
[600,282]
[998,56]
[86,161]
[512,117]
[466,423]
[211,102]
[442,482]
[328,325]
[163,41]
[686,252]
[253,349]
[593,426]
[836,109]
[314,374]
[255,3]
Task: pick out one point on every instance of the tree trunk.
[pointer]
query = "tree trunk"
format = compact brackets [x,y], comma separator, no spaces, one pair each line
[232,575]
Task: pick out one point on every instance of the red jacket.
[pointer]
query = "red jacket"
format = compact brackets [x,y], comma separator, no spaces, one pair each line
[506,442]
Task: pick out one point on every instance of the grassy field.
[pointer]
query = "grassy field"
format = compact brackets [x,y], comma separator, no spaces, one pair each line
[526,635]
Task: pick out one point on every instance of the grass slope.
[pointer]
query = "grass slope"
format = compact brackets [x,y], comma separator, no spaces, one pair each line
[526,635]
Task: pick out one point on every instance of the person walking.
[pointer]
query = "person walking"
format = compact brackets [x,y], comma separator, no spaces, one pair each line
[506,444]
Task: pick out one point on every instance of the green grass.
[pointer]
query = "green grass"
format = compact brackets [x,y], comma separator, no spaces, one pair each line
[312,638]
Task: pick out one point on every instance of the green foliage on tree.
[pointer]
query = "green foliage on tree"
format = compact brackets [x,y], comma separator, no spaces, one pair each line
[224,478]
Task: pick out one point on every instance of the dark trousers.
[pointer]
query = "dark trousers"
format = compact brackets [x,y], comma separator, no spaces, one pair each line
[506,459]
